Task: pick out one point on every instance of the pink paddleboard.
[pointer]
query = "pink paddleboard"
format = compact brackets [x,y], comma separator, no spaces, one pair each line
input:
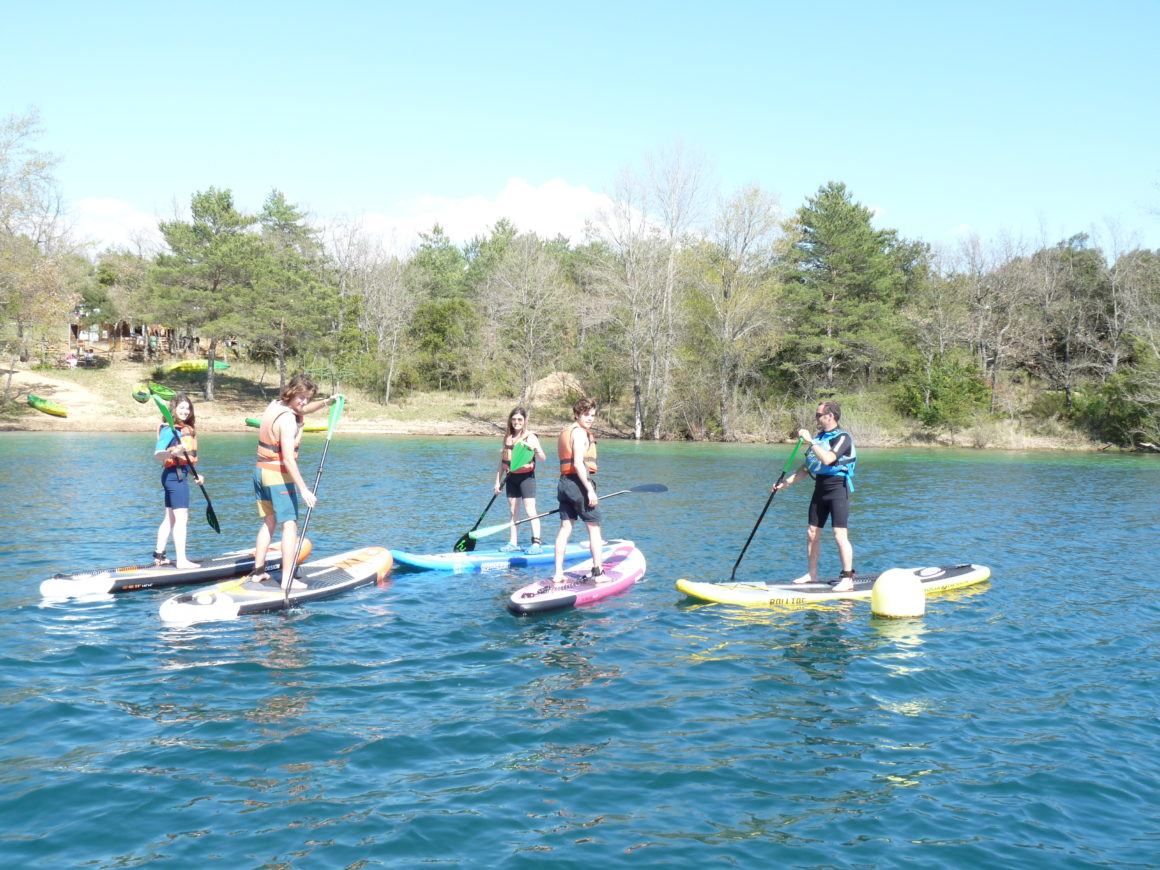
[622,567]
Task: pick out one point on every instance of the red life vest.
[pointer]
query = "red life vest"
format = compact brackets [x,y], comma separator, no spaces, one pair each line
[269,445]
[188,437]
[564,448]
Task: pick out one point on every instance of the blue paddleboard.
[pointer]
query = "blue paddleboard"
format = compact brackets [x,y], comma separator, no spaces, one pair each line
[479,561]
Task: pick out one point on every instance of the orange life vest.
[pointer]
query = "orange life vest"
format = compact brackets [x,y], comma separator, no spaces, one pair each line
[506,456]
[564,447]
[188,440]
[269,446]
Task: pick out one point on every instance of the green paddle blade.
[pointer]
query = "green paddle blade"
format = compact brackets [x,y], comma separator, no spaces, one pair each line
[163,408]
[488,530]
[521,455]
[210,513]
[335,413]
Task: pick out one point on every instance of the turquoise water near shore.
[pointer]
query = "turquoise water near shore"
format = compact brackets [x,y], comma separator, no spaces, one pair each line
[418,723]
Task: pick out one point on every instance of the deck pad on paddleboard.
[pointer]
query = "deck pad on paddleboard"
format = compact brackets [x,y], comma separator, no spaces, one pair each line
[478,561]
[772,594]
[324,578]
[622,567]
[107,581]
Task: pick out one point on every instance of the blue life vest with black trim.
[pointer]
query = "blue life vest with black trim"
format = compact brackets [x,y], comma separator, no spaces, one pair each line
[844,467]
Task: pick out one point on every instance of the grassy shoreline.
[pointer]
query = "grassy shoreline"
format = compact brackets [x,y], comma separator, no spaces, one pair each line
[99,400]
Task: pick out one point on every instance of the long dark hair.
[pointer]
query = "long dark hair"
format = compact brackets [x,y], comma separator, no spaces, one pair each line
[177,400]
[517,411]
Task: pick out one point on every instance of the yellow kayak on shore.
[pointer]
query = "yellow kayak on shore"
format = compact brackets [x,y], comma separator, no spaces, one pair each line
[47,406]
[196,365]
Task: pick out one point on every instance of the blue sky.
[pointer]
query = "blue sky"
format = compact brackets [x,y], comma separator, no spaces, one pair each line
[1033,119]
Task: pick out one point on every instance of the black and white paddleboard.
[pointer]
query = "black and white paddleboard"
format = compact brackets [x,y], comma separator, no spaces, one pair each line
[108,581]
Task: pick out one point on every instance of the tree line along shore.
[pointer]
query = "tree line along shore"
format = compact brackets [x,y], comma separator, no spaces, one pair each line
[683,318]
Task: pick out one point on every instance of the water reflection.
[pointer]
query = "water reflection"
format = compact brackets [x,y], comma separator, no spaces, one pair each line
[564,647]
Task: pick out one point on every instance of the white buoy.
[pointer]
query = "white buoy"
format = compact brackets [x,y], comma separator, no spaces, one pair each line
[897,594]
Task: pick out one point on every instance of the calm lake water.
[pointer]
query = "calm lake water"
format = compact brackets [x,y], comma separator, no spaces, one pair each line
[419,724]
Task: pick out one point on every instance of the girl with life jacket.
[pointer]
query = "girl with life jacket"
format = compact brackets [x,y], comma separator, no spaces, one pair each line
[177,452]
[520,483]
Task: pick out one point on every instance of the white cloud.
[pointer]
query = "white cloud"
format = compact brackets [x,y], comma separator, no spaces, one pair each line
[107,223]
[549,209]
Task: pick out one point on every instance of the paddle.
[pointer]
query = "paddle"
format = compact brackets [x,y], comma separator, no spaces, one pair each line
[772,493]
[210,514]
[521,455]
[331,422]
[491,530]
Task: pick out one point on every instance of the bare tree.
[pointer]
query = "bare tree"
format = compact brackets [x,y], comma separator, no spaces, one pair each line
[733,299]
[524,299]
[638,273]
[365,269]
[992,281]
[34,246]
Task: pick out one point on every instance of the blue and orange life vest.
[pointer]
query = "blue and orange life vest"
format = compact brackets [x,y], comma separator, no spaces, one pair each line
[188,440]
[564,447]
[269,446]
[844,467]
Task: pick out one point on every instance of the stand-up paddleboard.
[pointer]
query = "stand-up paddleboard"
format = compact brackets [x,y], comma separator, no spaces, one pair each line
[106,581]
[773,594]
[622,567]
[478,561]
[256,423]
[324,578]
[47,406]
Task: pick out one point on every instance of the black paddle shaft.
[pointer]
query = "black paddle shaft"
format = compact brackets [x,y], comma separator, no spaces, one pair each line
[768,502]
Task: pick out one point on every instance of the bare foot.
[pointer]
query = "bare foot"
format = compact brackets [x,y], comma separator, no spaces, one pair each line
[846,584]
[806,578]
[187,564]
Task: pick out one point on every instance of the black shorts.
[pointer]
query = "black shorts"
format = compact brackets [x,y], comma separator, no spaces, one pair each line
[573,498]
[831,501]
[520,486]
